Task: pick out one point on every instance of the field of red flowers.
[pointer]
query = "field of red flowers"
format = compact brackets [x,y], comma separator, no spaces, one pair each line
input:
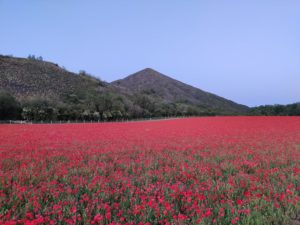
[219,170]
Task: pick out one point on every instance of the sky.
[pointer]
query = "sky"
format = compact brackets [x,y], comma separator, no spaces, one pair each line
[246,51]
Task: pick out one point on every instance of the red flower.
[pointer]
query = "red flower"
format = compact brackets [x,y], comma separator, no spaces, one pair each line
[239,202]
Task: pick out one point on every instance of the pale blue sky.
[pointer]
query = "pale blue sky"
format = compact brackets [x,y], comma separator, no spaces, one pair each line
[247,51]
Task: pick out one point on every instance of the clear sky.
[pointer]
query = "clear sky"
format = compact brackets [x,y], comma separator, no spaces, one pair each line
[247,51]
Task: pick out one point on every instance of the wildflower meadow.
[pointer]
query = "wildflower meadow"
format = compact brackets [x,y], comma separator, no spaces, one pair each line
[210,170]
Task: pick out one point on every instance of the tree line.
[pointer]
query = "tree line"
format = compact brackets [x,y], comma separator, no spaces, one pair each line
[110,107]
[107,107]
[277,110]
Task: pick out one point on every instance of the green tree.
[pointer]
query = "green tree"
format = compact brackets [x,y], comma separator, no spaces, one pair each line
[38,109]
[9,107]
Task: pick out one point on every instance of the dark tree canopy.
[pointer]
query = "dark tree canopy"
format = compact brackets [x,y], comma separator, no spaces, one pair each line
[9,107]
[277,110]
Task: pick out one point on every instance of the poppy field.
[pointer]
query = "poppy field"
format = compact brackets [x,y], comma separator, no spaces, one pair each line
[214,170]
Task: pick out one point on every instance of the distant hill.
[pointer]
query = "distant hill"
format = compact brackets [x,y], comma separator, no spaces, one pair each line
[155,84]
[47,91]
[29,78]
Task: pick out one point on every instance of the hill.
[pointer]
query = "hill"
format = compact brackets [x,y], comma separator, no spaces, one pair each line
[47,91]
[30,78]
[169,90]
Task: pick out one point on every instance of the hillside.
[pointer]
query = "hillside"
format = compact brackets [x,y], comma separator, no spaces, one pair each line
[46,91]
[29,78]
[155,84]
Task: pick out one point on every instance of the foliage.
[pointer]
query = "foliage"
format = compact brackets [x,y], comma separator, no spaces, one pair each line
[277,110]
[9,107]
[39,109]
